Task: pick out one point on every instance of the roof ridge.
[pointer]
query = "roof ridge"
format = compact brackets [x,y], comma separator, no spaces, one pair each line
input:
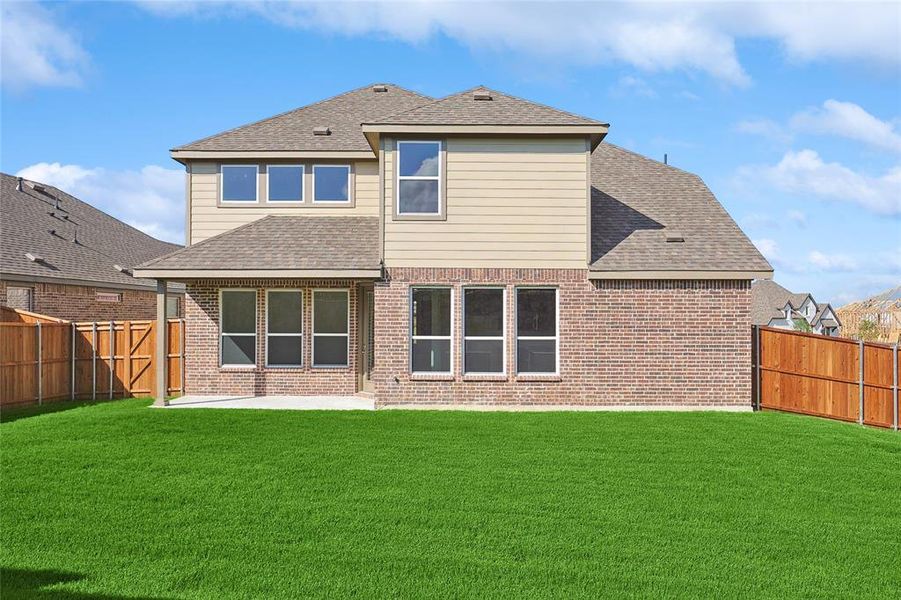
[548,106]
[433,102]
[653,160]
[294,110]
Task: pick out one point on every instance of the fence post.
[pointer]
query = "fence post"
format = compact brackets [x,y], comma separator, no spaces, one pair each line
[757,364]
[181,330]
[860,386]
[112,356]
[40,375]
[126,359]
[895,387]
[72,374]
[94,361]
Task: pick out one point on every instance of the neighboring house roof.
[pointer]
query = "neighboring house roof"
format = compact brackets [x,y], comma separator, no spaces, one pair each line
[768,300]
[284,244]
[31,224]
[464,109]
[293,131]
[637,203]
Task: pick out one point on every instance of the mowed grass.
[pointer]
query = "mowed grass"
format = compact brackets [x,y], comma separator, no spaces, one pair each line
[120,500]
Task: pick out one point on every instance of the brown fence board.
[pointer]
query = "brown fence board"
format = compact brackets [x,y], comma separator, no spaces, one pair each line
[817,375]
[124,350]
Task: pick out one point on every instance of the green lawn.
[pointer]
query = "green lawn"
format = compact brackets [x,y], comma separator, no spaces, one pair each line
[119,500]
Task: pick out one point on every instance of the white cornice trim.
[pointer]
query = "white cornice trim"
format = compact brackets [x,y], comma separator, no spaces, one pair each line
[259,273]
[501,129]
[218,155]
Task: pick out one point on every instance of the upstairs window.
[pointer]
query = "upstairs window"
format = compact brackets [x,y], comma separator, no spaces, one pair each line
[238,328]
[331,183]
[536,331]
[430,330]
[239,183]
[419,178]
[285,183]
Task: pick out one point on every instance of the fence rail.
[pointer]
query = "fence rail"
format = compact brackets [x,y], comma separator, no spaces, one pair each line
[46,361]
[826,376]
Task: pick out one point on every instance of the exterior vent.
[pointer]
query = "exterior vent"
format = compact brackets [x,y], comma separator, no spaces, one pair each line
[36,186]
[34,257]
[122,269]
[674,236]
[481,95]
[322,131]
[380,88]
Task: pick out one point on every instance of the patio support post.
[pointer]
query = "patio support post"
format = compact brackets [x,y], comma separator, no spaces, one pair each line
[162,346]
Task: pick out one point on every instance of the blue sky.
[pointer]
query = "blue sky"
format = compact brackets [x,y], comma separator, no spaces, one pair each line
[790,112]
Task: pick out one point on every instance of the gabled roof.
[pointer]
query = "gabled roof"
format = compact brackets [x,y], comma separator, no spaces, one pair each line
[31,224]
[279,245]
[769,299]
[464,109]
[292,131]
[637,203]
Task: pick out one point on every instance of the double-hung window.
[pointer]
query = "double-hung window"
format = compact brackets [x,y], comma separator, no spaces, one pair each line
[238,183]
[330,328]
[284,328]
[536,331]
[430,330]
[483,330]
[331,183]
[238,328]
[285,183]
[419,178]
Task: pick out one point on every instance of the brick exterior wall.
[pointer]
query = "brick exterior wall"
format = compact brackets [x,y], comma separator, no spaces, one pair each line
[79,303]
[203,375]
[620,342]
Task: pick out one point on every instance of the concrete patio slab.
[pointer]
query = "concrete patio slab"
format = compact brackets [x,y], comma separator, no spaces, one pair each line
[275,402]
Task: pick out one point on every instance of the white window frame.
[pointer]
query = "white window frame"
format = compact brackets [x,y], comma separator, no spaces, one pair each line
[256,187]
[333,202]
[267,334]
[255,334]
[303,174]
[556,337]
[502,337]
[313,333]
[449,337]
[398,178]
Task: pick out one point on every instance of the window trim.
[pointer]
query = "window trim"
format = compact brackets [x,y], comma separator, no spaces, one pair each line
[303,176]
[256,187]
[313,333]
[502,337]
[556,338]
[267,334]
[411,337]
[348,202]
[255,334]
[442,213]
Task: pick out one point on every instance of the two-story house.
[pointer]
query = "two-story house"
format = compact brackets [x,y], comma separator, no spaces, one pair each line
[478,248]
[774,306]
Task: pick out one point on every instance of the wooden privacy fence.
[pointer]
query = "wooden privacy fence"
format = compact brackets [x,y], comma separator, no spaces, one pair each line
[826,376]
[44,362]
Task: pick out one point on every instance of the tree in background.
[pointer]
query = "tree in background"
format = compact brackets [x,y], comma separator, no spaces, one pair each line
[867,331]
[802,325]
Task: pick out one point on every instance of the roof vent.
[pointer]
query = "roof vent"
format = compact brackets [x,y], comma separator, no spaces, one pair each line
[481,95]
[122,269]
[674,236]
[36,186]
[380,88]
[322,131]
[19,184]
[34,257]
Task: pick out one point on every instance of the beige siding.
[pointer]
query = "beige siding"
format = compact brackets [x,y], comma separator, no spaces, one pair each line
[510,203]
[207,218]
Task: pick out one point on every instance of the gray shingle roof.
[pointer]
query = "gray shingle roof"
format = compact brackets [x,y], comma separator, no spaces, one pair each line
[28,217]
[463,109]
[636,201]
[283,242]
[293,131]
[768,298]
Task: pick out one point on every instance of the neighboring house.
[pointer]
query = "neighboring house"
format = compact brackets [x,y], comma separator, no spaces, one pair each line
[479,248]
[64,258]
[774,306]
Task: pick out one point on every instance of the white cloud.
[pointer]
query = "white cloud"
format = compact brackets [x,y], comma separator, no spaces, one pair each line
[797,217]
[629,85]
[652,37]
[832,262]
[151,199]
[35,50]
[805,173]
[769,248]
[765,128]
[848,120]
